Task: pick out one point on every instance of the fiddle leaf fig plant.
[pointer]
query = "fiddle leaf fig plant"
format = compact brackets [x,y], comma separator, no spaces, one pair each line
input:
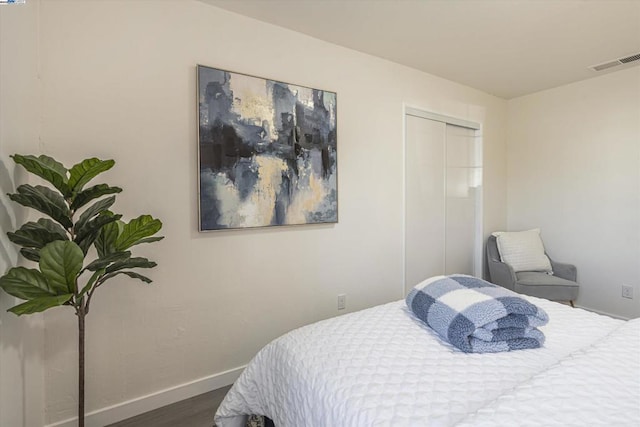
[77,218]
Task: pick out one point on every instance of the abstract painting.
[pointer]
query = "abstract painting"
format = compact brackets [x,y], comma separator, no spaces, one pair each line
[268,152]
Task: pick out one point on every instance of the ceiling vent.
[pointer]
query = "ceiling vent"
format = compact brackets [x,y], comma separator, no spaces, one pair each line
[616,62]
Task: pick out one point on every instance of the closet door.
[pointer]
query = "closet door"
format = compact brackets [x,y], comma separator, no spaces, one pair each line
[424,199]
[462,200]
[443,196]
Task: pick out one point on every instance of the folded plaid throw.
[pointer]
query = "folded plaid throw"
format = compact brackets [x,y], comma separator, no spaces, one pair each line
[477,316]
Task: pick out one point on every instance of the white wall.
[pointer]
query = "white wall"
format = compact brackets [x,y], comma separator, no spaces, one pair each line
[574,171]
[118,81]
[21,339]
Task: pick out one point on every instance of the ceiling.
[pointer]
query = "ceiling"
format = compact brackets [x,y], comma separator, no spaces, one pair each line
[507,48]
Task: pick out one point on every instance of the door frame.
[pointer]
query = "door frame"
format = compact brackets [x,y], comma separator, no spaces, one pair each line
[479,236]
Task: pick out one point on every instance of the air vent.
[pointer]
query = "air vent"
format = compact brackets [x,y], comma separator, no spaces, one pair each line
[616,62]
[606,65]
[630,58]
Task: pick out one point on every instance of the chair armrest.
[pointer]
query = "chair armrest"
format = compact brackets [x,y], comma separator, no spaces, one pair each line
[502,274]
[564,271]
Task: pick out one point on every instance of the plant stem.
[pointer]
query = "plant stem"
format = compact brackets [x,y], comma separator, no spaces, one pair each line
[81,317]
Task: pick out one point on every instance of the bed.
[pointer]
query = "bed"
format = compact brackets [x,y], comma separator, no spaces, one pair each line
[384,367]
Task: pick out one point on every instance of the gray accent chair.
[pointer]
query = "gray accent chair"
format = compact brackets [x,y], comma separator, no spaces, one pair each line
[561,286]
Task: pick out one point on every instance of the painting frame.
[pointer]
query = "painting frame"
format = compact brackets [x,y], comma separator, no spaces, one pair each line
[267,152]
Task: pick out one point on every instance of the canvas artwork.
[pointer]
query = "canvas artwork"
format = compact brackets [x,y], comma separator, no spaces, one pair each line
[268,152]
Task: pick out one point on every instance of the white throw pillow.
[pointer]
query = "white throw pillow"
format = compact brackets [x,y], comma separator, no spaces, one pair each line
[523,250]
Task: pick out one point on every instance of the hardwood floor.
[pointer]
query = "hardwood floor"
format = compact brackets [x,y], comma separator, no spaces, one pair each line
[197,411]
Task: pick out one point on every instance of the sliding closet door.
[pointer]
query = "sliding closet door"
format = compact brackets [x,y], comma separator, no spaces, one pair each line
[463,196]
[443,188]
[424,201]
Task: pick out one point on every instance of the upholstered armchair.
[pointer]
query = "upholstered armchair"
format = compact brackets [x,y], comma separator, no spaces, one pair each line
[558,285]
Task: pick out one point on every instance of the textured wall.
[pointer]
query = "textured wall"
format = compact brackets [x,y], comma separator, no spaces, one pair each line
[21,338]
[574,171]
[118,80]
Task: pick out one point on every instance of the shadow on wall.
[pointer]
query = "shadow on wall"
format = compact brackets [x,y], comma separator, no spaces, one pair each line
[12,215]
[8,251]
[15,346]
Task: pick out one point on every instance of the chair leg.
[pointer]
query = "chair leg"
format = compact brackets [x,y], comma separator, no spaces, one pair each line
[571,302]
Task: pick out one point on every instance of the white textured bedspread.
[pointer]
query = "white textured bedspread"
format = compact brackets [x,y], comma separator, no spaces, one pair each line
[597,386]
[383,367]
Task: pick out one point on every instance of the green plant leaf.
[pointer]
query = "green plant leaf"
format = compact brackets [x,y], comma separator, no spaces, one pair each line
[95,276]
[87,241]
[52,227]
[105,243]
[30,238]
[93,210]
[131,274]
[136,230]
[56,233]
[85,171]
[90,232]
[37,305]
[91,193]
[44,200]
[30,254]
[60,262]
[26,283]
[136,262]
[35,235]
[101,263]
[46,168]
[150,240]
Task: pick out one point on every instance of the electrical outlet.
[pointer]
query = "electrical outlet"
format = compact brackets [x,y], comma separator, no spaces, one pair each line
[342,301]
[627,291]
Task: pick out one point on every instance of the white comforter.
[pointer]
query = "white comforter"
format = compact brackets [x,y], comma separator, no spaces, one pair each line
[383,367]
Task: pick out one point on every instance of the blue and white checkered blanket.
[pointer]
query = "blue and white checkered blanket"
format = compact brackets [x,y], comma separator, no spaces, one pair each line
[477,316]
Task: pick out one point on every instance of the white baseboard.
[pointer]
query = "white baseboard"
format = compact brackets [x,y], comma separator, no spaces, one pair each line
[140,405]
[615,316]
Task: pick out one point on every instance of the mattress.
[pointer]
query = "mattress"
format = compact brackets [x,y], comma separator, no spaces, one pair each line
[384,367]
[596,386]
